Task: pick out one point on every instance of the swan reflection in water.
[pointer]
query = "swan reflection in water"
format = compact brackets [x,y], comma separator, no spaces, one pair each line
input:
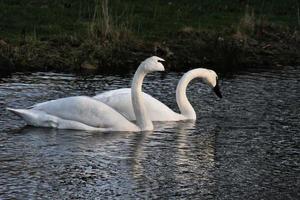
[175,154]
[246,145]
[125,162]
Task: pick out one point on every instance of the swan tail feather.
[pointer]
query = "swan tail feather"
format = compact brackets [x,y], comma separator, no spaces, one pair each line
[19,112]
[42,119]
[36,118]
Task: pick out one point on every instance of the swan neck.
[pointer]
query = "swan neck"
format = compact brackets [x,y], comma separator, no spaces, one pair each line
[142,119]
[184,105]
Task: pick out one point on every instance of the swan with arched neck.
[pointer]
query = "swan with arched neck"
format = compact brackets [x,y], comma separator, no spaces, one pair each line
[120,99]
[86,113]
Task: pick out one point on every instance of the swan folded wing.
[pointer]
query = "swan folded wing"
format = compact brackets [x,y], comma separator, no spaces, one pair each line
[85,110]
[158,111]
[120,100]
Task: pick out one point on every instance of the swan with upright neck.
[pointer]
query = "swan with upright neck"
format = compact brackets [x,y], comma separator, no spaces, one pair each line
[120,99]
[86,113]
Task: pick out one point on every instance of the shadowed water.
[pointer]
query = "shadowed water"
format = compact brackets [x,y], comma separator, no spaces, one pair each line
[244,146]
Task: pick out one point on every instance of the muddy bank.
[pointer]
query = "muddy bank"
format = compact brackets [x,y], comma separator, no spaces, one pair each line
[182,51]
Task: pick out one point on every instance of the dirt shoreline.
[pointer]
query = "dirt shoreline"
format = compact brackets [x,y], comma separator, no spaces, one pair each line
[184,51]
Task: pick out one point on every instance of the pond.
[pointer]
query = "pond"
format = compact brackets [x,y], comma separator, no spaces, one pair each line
[243,146]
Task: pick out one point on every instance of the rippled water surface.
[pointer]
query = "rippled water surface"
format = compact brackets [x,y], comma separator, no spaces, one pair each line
[244,146]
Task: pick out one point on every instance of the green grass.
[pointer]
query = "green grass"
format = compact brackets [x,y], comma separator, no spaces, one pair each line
[155,19]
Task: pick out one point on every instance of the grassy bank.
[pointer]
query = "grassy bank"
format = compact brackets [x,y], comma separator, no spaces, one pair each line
[65,35]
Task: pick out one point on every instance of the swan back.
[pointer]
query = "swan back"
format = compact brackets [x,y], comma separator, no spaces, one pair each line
[88,111]
[120,100]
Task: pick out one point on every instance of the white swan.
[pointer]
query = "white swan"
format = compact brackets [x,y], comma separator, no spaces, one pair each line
[120,99]
[86,113]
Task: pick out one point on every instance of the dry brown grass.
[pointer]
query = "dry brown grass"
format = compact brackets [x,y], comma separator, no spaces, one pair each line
[104,26]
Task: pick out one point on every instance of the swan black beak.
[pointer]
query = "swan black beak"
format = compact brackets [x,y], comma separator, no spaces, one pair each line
[217,90]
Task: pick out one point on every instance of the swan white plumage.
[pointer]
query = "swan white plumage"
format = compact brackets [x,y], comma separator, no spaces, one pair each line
[120,99]
[86,113]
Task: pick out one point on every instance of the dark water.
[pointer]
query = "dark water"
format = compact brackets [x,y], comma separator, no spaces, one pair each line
[245,146]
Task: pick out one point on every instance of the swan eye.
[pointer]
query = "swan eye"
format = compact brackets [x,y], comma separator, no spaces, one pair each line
[160,61]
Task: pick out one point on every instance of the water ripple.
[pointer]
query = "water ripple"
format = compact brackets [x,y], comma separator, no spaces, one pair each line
[245,146]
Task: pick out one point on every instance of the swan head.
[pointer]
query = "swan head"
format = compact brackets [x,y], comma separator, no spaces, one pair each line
[152,64]
[212,80]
